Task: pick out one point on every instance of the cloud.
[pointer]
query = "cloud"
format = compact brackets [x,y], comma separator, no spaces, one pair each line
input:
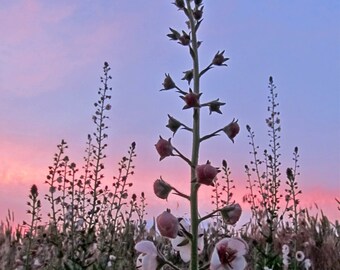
[43,48]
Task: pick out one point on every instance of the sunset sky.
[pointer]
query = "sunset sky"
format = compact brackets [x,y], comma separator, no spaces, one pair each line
[51,58]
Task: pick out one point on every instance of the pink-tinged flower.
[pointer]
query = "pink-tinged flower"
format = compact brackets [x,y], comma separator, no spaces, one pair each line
[182,243]
[191,100]
[229,254]
[164,148]
[232,130]
[147,260]
[231,213]
[161,188]
[167,224]
[206,174]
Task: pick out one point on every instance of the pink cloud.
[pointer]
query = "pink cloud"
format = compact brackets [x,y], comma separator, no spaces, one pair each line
[41,53]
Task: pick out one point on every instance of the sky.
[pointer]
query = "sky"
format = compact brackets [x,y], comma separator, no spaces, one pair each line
[51,58]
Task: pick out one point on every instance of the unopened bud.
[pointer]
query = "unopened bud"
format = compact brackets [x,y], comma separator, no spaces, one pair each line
[231,213]
[167,224]
[164,148]
[173,124]
[179,4]
[191,100]
[184,39]
[168,83]
[219,59]
[188,75]
[206,174]
[198,13]
[214,106]
[34,191]
[161,188]
[232,130]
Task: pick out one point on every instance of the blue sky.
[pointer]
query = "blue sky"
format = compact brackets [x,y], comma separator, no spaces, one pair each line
[51,57]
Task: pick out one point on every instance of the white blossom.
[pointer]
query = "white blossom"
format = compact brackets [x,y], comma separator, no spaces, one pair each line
[229,254]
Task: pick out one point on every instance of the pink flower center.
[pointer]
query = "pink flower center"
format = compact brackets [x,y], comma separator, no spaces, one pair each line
[226,255]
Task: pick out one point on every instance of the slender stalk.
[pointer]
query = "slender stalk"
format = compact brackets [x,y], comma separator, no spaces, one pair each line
[195,145]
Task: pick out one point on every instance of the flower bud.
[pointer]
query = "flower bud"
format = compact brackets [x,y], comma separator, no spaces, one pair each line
[219,59]
[173,124]
[231,213]
[184,39]
[232,130]
[174,35]
[206,174]
[214,106]
[34,191]
[191,100]
[161,188]
[179,4]
[164,148]
[167,224]
[198,13]
[188,75]
[168,83]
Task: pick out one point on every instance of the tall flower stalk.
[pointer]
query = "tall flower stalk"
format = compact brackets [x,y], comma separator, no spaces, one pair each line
[190,236]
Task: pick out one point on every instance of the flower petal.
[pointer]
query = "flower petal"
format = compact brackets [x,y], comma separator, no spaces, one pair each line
[150,262]
[146,247]
[239,263]
[215,260]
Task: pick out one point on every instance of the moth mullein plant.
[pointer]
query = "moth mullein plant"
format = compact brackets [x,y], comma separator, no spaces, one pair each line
[187,235]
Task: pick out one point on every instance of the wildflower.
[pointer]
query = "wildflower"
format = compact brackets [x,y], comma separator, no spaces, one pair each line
[182,242]
[36,262]
[148,259]
[285,249]
[231,213]
[191,100]
[307,264]
[232,129]
[108,107]
[164,148]
[168,83]
[299,256]
[167,224]
[161,188]
[219,59]
[206,174]
[229,254]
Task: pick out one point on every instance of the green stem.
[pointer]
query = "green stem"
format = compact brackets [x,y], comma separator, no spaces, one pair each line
[195,145]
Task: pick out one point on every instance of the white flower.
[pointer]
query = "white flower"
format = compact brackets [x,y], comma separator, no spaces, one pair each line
[267,268]
[307,264]
[112,257]
[285,249]
[182,244]
[37,262]
[229,254]
[299,256]
[148,259]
